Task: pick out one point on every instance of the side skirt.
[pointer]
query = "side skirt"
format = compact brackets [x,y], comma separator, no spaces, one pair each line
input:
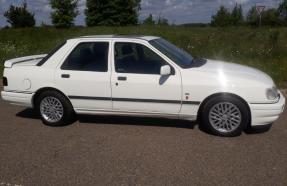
[135,114]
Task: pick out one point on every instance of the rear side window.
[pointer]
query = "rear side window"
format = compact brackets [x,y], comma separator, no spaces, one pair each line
[92,56]
[51,53]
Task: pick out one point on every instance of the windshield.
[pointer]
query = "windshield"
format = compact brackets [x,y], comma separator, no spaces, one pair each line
[177,55]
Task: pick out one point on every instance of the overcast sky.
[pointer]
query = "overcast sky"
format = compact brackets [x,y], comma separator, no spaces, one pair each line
[176,11]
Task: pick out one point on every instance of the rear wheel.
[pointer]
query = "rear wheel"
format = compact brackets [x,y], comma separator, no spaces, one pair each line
[225,116]
[55,109]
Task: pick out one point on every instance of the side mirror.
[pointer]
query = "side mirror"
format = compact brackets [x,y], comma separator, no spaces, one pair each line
[165,70]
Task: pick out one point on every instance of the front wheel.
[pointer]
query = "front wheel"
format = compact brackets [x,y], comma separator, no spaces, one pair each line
[55,109]
[225,116]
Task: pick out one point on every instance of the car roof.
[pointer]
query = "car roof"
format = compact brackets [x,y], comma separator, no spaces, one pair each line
[146,38]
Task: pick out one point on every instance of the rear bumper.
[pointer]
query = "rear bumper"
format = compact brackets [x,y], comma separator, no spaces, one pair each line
[265,114]
[18,98]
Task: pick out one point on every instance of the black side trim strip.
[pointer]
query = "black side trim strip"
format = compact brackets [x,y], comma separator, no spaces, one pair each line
[146,100]
[135,100]
[22,92]
[263,103]
[191,102]
[90,98]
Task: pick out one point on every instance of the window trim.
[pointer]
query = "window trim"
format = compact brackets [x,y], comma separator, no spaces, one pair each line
[146,45]
[51,53]
[74,48]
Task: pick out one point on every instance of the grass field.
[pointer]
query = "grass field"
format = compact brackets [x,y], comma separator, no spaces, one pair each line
[263,48]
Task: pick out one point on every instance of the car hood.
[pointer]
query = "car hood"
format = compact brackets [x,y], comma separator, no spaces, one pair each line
[231,72]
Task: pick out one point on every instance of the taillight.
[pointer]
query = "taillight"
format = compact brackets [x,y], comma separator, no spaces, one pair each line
[5,81]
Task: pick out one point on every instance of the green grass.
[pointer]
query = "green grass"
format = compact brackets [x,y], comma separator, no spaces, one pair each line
[264,48]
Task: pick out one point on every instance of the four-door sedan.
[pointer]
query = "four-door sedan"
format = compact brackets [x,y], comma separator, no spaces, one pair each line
[141,76]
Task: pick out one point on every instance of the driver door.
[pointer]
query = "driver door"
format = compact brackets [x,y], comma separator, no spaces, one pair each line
[137,85]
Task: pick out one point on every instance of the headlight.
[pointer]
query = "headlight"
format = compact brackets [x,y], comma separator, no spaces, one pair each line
[272,93]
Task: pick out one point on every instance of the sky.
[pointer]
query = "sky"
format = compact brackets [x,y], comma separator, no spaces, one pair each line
[176,11]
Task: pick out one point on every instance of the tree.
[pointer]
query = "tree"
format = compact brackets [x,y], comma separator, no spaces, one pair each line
[222,18]
[270,17]
[19,16]
[149,20]
[237,15]
[252,17]
[282,10]
[112,13]
[162,21]
[65,11]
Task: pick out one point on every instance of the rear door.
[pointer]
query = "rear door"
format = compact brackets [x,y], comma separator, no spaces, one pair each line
[137,85]
[84,76]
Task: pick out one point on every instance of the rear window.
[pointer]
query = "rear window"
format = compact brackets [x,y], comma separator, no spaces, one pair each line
[88,56]
[51,53]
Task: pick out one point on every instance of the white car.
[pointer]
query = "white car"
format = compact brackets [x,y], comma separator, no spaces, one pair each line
[141,76]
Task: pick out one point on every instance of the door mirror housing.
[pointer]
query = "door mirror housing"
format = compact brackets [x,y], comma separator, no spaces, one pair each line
[165,70]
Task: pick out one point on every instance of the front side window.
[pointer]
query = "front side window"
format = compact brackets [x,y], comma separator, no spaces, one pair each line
[177,55]
[136,58]
[88,57]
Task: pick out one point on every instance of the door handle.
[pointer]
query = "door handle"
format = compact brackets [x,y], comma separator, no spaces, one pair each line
[122,78]
[65,75]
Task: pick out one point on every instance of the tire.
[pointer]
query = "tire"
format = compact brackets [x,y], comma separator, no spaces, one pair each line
[54,102]
[225,116]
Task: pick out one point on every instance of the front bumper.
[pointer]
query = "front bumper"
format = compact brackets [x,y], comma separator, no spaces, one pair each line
[18,98]
[265,114]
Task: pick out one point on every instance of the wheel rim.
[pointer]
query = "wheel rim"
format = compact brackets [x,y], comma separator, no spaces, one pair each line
[51,109]
[225,117]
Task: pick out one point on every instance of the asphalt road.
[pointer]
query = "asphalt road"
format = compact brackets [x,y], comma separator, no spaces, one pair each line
[135,151]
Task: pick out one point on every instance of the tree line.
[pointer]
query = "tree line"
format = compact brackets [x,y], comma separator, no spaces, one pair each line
[98,13]
[126,12]
[269,17]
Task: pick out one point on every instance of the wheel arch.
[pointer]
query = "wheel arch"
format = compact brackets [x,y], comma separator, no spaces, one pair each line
[44,89]
[223,94]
